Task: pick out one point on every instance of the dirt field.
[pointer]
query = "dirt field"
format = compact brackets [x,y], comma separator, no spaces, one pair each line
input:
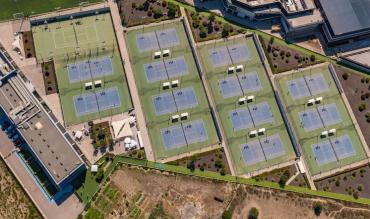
[14,203]
[151,194]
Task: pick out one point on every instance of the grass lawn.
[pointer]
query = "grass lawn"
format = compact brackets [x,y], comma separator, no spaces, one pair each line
[92,37]
[28,7]
[147,90]
[307,138]
[225,105]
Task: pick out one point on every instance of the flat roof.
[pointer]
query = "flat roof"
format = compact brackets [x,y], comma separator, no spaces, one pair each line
[42,135]
[347,16]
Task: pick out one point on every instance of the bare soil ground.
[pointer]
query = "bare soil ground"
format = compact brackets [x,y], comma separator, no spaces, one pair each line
[14,203]
[356,87]
[152,194]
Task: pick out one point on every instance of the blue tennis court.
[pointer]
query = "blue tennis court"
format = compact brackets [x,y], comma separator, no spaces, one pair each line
[176,67]
[167,38]
[90,69]
[164,103]
[185,98]
[272,147]
[173,137]
[316,83]
[96,101]
[219,57]
[250,82]
[261,113]
[310,120]
[230,87]
[298,88]
[239,53]
[329,114]
[147,42]
[343,147]
[184,134]
[252,152]
[195,132]
[324,153]
[240,119]
[155,71]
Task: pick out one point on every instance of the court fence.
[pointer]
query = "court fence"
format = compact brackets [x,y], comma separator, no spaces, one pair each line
[124,160]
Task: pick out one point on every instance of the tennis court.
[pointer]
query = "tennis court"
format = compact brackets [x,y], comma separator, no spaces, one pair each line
[96,101]
[241,119]
[165,69]
[251,116]
[230,87]
[184,95]
[307,85]
[184,134]
[322,116]
[90,69]
[159,39]
[238,53]
[237,85]
[173,101]
[219,57]
[333,149]
[249,82]
[230,54]
[262,149]
[318,126]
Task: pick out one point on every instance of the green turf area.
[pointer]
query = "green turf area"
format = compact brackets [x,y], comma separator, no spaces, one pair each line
[149,89]
[82,39]
[308,138]
[224,105]
[29,7]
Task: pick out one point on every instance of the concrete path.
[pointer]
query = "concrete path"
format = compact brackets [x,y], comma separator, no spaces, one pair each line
[131,81]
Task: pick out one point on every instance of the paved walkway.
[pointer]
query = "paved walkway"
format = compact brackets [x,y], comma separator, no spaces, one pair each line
[131,81]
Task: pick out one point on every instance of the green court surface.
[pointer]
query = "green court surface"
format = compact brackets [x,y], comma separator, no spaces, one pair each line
[87,36]
[147,90]
[307,138]
[224,105]
[81,40]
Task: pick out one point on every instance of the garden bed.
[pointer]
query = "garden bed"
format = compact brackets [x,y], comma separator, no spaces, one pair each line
[101,135]
[282,175]
[355,182]
[50,80]
[139,12]
[211,161]
[283,58]
[207,26]
[28,46]
[356,87]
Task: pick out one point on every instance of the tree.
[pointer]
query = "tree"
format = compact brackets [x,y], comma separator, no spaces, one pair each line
[157,13]
[253,213]
[313,58]
[99,176]
[202,32]
[225,30]
[211,17]
[172,10]
[191,165]
[283,180]
[317,208]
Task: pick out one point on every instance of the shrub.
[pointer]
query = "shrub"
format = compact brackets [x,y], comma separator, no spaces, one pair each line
[288,54]
[172,10]
[99,176]
[337,183]
[367,80]
[219,164]
[202,33]
[253,213]
[227,214]
[150,13]
[363,80]
[225,30]
[362,107]
[282,53]
[217,28]
[133,5]
[195,23]
[164,3]
[191,165]
[313,58]
[272,39]
[157,13]
[360,187]
[223,172]
[283,180]
[355,195]
[345,76]
[204,23]
[211,17]
[317,208]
